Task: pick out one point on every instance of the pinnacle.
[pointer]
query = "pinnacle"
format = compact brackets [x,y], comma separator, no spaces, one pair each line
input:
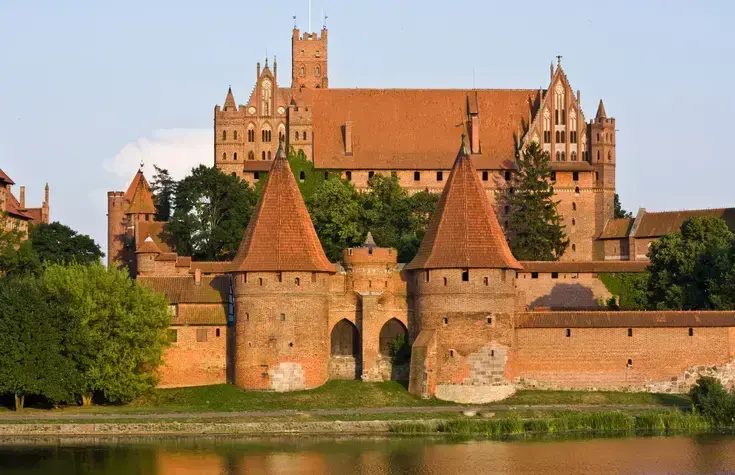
[601,114]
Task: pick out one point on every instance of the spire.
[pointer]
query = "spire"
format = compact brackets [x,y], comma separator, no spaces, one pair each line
[280,235]
[139,196]
[369,241]
[230,103]
[464,231]
[601,114]
[148,247]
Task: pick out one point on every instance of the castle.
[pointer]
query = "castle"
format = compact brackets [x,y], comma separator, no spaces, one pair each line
[281,317]
[19,216]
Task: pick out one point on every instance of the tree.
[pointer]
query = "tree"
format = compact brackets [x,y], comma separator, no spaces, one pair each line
[308,179]
[211,211]
[387,211]
[336,214]
[694,268]
[33,360]
[619,211]
[57,243]
[535,229]
[119,328]
[164,188]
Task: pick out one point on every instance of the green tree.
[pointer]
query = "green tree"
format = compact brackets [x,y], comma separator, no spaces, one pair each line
[119,328]
[307,177]
[164,188]
[630,290]
[693,269]
[711,399]
[57,243]
[619,211]
[211,211]
[33,360]
[535,229]
[337,216]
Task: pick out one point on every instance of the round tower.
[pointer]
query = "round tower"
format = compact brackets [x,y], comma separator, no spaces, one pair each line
[146,255]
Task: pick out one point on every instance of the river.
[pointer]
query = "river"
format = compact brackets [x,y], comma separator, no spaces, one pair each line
[365,456]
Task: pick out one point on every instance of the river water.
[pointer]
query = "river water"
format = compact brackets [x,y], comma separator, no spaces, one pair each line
[366,456]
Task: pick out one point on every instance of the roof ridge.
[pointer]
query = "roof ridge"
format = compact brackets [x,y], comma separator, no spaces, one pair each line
[688,210]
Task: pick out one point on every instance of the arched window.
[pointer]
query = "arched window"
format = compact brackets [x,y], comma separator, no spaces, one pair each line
[263,154]
[609,156]
[251,133]
[559,103]
[598,155]
[547,126]
[224,135]
[345,339]
[296,135]
[234,157]
[574,248]
[224,156]
[318,71]
[269,154]
[564,156]
[574,206]
[302,71]
[234,135]
[392,329]
[558,136]
[558,155]
[574,156]
[265,135]
[576,190]
[304,136]
[563,136]
[251,155]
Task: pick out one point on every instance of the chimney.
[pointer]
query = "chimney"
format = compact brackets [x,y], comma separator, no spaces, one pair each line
[348,137]
[475,133]
[258,71]
[22,197]
[198,276]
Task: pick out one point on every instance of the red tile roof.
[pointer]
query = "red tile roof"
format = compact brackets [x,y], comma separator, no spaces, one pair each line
[36,214]
[200,314]
[140,196]
[183,289]
[280,235]
[617,228]
[625,319]
[210,267]
[148,246]
[155,229]
[464,231]
[411,129]
[571,166]
[659,224]
[13,208]
[584,266]
[5,178]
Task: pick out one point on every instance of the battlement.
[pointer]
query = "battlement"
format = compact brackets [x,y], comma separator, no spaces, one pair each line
[356,256]
[297,36]
[603,121]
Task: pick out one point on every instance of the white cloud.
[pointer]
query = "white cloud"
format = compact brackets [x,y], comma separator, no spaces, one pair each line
[177,150]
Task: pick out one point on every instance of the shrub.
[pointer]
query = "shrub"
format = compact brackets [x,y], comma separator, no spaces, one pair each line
[711,400]
[400,350]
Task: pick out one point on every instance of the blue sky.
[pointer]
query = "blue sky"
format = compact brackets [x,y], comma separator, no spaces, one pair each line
[89,87]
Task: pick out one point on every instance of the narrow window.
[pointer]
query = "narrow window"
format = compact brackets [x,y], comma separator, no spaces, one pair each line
[465,275]
[484,176]
[630,363]
[598,155]
[554,275]
[416,176]
[217,333]
[446,321]
[490,322]
[558,136]
[492,353]
[576,190]
[445,281]
[251,155]
[348,175]
[609,156]
[251,135]
[426,276]
[553,176]
[574,206]
[297,281]
[260,281]
[297,136]
[269,154]
[313,276]
[224,135]
[558,156]
[630,332]
[263,154]
[574,248]
[234,157]
[439,176]
[691,332]
[318,71]
[574,222]
[563,136]
[283,317]
[256,176]
[451,353]
[224,156]
[201,335]
[302,71]
[575,176]
[598,137]
[247,317]
[371,174]
[534,275]
[564,156]
[574,156]
[507,176]
[485,281]
[302,176]
[234,135]
[304,135]
[279,276]
[569,332]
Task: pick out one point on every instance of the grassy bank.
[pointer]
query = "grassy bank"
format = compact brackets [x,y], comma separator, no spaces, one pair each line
[564,422]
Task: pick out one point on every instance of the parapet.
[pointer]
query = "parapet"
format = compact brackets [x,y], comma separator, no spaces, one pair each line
[356,256]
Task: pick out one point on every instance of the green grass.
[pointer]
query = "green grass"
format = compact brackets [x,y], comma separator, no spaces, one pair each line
[596,398]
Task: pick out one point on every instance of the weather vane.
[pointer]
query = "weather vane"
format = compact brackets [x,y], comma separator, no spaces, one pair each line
[558,59]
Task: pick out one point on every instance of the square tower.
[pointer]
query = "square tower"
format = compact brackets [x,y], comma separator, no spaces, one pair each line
[309,60]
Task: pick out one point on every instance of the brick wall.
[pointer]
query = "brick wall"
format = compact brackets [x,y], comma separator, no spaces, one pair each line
[576,290]
[189,362]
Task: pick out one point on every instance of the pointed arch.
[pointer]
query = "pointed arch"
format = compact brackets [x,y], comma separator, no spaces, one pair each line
[345,339]
[391,330]
[251,132]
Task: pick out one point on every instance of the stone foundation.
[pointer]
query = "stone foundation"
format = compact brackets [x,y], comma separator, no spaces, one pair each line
[474,394]
[385,370]
[344,367]
[287,377]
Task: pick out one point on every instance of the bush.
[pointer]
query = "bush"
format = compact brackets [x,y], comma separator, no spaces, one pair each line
[712,401]
[400,350]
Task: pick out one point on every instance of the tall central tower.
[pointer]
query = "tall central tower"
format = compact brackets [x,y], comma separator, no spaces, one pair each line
[309,60]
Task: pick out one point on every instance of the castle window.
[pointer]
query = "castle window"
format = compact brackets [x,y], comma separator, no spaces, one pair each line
[262,154]
[217,333]
[465,275]
[445,320]
[244,277]
[574,206]
[630,363]
[490,322]
[558,136]
[598,137]
[279,276]
[556,118]
[484,176]
[269,154]
[575,176]
[260,281]
[224,135]
[251,155]
[574,156]
[485,281]
[569,332]
[691,332]
[302,71]
[574,222]
[416,176]
[426,276]
[576,190]
[558,156]
[224,156]
[507,176]
[297,136]
[439,176]
[318,71]
[234,157]
[451,353]
[553,176]
[173,335]
[234,135]
[348,175]
[554,275]
[371,174]
[609,156]
[597,176]
[564,156]
[283,317]
[574,248]
[534,275]
[251,135]
[630,332]
[201,335]
[563,136]
[445,281]
[247,317]
[302,176]
[304,135]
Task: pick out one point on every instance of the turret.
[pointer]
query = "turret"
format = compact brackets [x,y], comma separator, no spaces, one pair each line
[309,60]
[146,256]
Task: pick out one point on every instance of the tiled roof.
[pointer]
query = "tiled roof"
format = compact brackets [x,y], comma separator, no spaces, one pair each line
[571,166]
[36,214]
[230,103]
[464,231]
[617,229]
[183,289]
[155,229]
[5,178]
[409,129]
[601,114]
[13,208]
[210,267]
[659,224]
[148,246]
[141,197]
[167,256]
[625,319]
[584,266]
[183,261]
[280,235]
[201,314]
[257,165]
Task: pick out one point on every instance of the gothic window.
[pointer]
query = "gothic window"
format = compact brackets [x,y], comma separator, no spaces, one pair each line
[574,206]
[609,156]
[558,155]
[564,156]
[304,135]
[296,135]
[266,97]
[563,136]
[547,126]
[234,157]
[281,132]
[318,71]
[559,103]
[265,135]
[558,136]
[263,154]
[269,154]
[224,156]
[224,135]
[598,137]
[574,156]
[251,155]
[234,135]
[251,133]
[302,71]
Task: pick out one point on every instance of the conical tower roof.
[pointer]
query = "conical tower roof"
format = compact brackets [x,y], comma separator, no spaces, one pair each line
[280,235]
[148,247]
[464,232]
[140,196]
[230,101]
[601,114]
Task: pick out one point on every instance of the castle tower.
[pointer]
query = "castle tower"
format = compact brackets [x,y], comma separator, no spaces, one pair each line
[281,290]
[309,60]
[146,256]
[463,283]
[602,156]
[124,212]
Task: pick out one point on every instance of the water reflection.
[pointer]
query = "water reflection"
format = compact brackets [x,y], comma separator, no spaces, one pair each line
[364,456]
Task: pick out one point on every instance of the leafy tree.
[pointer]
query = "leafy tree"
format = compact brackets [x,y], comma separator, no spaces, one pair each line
[336,214]
[694,268]
[210,214]
[713,401]
[630,290]
[164,188]
[386,210]
[535,229]
[119,328]
[33,360]
[58,243]
[619,211]
[308,178]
